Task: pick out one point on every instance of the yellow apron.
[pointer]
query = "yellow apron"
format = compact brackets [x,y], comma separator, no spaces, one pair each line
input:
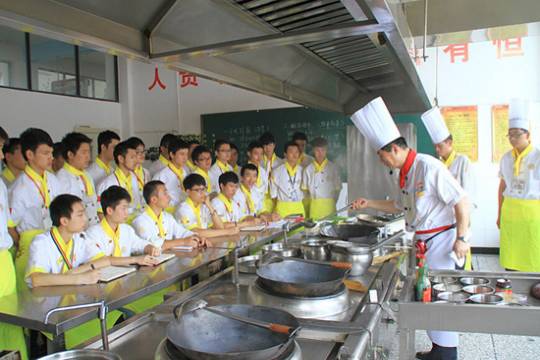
[307,206]
[520,235]
[285,208]
[23,254]
[11,336]
[319,208]
[268,204]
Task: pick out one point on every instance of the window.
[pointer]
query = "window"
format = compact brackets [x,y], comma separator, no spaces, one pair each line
[98,74]
[13,58]
[34,62]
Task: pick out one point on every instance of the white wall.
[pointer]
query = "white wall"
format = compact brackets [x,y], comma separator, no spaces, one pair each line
[484,81]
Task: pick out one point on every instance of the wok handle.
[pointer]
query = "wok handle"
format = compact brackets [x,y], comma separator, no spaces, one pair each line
[282,329]
[341,265]
[175,310]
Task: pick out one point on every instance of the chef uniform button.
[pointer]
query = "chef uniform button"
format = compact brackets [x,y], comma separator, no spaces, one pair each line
[406,224]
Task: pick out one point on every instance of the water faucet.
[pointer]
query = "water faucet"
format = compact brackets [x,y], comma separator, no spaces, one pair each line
[286,228]
[102,315]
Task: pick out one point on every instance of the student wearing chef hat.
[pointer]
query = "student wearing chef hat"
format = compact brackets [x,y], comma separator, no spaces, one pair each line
[435,205]
[519,195]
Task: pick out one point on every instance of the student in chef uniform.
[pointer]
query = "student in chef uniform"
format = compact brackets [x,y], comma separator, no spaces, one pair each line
[158,226]
[125,157]
[249,199]
[63,256]
[197,213]
[142,174]
[458,164]
[300,139]
[222,150]
[73,177]
[286,183]
[226,207]
[11,337]
[174,173]
[519,195]
[202,158]
[103,165]
[255,157]
[322,181]
[163,159]
[58,158]
[14,162]
[270,162]
[234,159]
[436,206]
[192,145]
[32,192]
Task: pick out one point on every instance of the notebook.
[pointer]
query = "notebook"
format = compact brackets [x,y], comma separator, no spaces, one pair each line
[254,228]
[110,273]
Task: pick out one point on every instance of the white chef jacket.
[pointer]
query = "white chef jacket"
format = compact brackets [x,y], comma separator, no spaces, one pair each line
[215,172]
[173,184]
[130,243]
[241,199]
[147,228]
[233,215]
[157,165]
[325,184]
[74,185]
[187,214]
[8,177]
[28,210]
[286,188]
[527,184]
[97,173]
[5,239]
[46,258]
[274,163]
[136,196]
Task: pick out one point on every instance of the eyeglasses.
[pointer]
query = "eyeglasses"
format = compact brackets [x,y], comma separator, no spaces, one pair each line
[515,135]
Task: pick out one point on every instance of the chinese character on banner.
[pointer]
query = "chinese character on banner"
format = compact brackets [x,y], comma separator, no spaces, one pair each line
[458,50]
[157,81]
[188,79]
[508,47]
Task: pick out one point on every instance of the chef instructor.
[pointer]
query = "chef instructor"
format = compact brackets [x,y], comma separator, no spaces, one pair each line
[436,206]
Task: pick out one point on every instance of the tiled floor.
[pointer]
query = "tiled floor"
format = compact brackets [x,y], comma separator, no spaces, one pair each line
[480,346]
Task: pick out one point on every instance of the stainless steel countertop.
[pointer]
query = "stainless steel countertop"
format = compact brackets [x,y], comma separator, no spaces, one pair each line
[27,308]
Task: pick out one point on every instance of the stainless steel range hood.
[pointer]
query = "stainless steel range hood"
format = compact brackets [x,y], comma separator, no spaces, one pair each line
[328,54]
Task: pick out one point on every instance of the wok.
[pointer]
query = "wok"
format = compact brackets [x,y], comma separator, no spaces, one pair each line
[207,336]
[300,278]
[357,233]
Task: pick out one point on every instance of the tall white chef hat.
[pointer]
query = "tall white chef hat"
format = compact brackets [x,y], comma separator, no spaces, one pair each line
[518,114]
[376,124]
[435,125]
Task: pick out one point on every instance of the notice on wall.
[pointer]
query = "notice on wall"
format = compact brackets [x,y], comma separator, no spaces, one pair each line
[462,122]
[499,129]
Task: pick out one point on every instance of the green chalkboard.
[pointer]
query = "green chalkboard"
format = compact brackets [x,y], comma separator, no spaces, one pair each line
[243,127]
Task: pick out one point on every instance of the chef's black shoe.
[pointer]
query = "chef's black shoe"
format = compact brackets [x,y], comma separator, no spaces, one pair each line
[438,353]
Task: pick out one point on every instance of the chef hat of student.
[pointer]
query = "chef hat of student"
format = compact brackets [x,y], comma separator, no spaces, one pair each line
[376,124]
[435,125]
[518,114]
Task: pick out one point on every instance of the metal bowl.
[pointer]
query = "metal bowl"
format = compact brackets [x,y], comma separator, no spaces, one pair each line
[315,249]
[491,299]
[444,280]
[453,297]
[281,250]
[360,257]
[248,264]
[474,281]
[83,354]
[478,289]
[447,288]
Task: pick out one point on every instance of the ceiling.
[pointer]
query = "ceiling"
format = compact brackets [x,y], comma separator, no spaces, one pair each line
[330,54]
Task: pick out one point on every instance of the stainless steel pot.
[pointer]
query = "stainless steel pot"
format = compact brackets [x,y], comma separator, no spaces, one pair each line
[83,354]
[281,250]
[315,249]
[360,257]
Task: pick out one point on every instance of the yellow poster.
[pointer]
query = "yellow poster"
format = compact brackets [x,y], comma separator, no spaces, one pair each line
[462,122]
[499,129]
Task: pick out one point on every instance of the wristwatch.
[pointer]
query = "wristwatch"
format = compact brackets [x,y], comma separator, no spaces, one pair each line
[462,238]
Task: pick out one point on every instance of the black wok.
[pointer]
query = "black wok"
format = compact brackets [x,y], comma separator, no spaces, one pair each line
[204,335]
[300,278]
[357,233]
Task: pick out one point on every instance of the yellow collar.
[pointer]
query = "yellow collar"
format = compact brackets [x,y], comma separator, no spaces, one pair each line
[227,202]
[448,162]
[191,165]
[222,166]
[249,199]
[163,160]
[88,186]
[519,157]
[290,170]
[114,235]
[8,174]
[65,248]
[301,158]
[158,220]
[196,210]
[259,176]
[321,167]
[41,184]
[179,172]
[206,177]
[139,175]
[104,166]
[124,181]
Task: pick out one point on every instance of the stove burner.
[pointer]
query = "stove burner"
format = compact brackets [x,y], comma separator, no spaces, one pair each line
[292,352]
[260,286]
